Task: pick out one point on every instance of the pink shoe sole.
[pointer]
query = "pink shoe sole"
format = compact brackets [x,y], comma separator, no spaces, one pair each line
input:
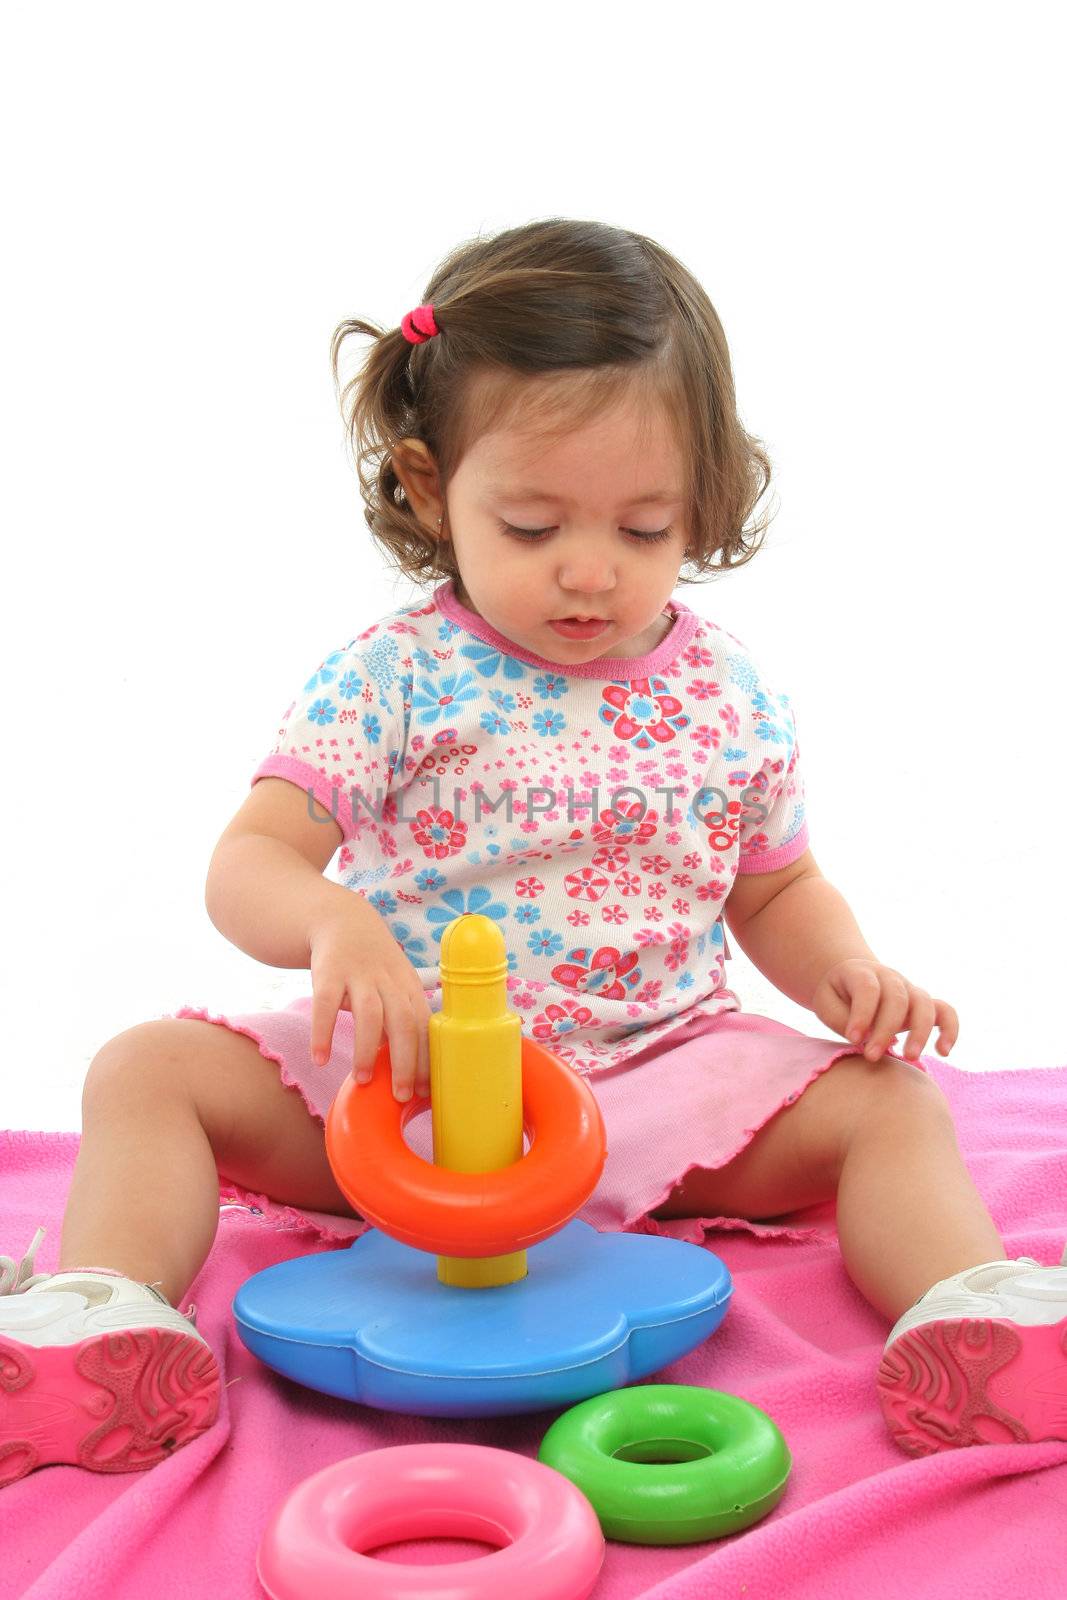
[980,1380]
[118,1402]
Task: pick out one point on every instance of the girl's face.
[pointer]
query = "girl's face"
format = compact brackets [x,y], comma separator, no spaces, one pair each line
[571,550]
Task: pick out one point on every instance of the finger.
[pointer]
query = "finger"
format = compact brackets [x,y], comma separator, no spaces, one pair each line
[367,1018]
[890,1017]
[421,1013]
[865,996]
[948,1026]
[325,1001]
[921,1020]
[403,1034]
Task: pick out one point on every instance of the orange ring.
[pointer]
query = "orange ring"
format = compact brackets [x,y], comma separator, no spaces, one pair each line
[469,1213]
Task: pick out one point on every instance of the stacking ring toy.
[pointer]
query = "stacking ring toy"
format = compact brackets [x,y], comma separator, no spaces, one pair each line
[728,1462]
[452,1213]
[314,1543]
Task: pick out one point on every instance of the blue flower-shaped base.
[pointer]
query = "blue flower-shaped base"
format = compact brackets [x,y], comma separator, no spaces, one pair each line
[372,1323]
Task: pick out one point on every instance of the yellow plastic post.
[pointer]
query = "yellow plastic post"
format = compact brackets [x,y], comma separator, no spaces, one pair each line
[476,1079]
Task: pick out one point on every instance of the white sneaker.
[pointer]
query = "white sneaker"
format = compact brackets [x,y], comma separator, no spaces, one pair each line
[980,1358]
[96,1371]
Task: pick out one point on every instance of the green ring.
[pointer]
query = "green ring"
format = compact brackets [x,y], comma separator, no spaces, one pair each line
[721,1463]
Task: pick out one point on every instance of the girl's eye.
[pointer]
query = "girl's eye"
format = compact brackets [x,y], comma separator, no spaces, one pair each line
[532,534]
[644,535]
[651,535]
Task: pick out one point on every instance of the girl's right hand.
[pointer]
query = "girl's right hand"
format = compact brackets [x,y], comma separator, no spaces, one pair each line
[357,965]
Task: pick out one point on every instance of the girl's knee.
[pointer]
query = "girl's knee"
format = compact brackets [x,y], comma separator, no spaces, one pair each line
[131,1060]
[173,1060]
[261,1132]
[849,1094]
[887,1088]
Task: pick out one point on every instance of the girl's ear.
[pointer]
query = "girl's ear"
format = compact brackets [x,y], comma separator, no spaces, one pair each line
[417,473]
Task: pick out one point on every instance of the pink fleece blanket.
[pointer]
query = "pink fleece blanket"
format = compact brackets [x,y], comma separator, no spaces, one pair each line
[858,1517]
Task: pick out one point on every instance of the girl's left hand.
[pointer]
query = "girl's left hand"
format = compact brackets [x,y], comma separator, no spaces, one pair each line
[865,1000]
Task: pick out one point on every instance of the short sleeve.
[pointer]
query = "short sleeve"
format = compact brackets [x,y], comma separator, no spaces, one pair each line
[774,829]
[342,738]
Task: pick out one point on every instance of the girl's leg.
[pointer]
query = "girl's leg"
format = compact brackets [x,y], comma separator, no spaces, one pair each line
[908,1213]
[144,1196]
[166,1107]
[879,1136]
[796,1158]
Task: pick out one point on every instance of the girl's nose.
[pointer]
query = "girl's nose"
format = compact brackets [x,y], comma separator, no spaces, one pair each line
[586,573]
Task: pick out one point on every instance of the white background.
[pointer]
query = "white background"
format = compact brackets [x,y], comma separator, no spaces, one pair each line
[193,197]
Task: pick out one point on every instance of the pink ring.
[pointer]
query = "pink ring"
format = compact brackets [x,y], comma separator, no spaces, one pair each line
[314,1543]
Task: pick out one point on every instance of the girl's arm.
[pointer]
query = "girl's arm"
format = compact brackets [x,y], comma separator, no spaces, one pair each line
[807,942]
[265,892]
[264,886]
[800,933]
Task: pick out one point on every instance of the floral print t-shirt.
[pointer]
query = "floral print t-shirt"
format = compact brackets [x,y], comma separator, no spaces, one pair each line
[598,813]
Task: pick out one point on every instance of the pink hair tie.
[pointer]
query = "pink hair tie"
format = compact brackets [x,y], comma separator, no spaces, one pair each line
[411,329]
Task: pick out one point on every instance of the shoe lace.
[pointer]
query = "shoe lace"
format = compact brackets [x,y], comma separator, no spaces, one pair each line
[15,1278]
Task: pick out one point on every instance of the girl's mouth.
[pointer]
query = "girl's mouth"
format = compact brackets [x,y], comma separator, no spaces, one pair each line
[578,627]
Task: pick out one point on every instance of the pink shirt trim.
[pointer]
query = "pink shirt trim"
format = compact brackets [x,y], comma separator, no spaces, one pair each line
[774,860]
[331,792]
[627,668]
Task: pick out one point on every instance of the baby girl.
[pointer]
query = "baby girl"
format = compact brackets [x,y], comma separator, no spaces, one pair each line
[550,737]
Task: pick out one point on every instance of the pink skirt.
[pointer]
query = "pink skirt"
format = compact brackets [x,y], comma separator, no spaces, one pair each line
[694,1098]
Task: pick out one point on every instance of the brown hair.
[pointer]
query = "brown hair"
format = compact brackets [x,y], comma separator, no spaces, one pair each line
[591,311]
